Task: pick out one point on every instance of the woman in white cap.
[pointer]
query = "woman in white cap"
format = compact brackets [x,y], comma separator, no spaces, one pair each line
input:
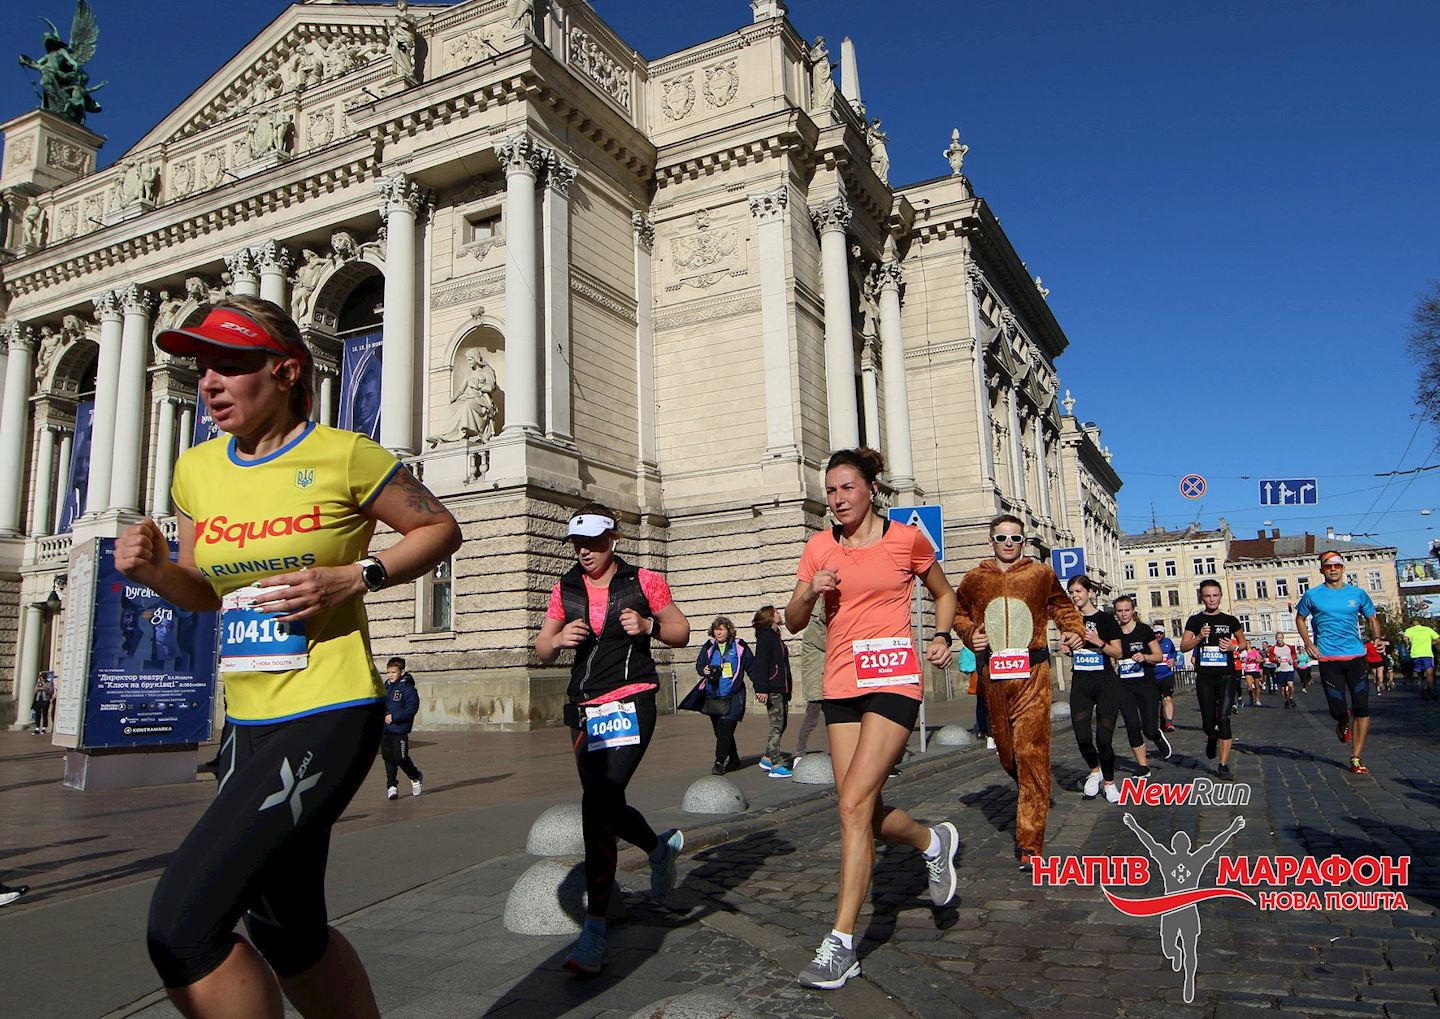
[609,611]
[275,519]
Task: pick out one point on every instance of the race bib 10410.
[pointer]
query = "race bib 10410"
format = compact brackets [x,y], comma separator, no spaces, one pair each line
[256,641]
[885,661]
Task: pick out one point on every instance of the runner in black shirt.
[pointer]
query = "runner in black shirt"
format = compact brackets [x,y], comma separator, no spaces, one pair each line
[1139,693]
[1095,690]
[1218,635]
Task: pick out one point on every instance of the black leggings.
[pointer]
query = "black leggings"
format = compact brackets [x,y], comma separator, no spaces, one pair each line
[1346,674]
[605,816]
[725,752]
[1140,704]
[1216,692]
[1094,701]
[261,847]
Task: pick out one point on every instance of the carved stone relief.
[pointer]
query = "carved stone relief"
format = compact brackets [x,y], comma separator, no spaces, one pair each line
[679,97]
[320,127]
[597,65]
[706,256]
[721,84]
[212,168]
[182,178]
[21,151]
[61,155]
[472,46]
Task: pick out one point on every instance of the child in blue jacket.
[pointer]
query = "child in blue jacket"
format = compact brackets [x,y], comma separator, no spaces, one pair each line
[402,704]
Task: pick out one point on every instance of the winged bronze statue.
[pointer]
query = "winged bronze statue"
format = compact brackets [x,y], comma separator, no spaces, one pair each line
[65,87]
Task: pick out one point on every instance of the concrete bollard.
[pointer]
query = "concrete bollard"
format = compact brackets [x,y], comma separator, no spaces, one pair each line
[815,769]
[557,832]
[549,898]
[714,795]
[1060,709]
[954,736]
[695,1005]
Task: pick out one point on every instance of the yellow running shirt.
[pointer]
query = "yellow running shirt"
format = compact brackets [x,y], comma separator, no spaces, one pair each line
[296,508]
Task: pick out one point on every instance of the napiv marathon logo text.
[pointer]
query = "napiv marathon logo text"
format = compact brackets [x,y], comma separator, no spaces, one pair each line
[1279,883]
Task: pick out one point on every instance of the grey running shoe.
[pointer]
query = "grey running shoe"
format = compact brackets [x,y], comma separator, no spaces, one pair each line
[942,868]
[832,966]
[662,873]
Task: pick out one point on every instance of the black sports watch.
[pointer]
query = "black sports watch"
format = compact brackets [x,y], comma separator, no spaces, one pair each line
[945,636]
[373,573]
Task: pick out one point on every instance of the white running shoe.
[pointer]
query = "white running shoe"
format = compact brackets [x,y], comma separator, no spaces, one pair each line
[989,742]
[392,793]
[1111,793]
[415,788]
[1092,785]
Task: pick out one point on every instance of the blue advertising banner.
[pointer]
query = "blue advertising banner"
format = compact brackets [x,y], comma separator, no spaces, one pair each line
[360,385]
[205,429]
[79,479]
[152,666]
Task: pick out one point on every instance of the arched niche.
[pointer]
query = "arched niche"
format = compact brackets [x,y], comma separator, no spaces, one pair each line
[481,335]
[336,307]
[71,374]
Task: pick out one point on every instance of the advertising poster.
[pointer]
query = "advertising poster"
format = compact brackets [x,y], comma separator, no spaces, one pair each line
[205,429]
[360,385]
[152,666]
[75,485]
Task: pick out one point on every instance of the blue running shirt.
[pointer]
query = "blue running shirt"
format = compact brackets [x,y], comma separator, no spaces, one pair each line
[1334,613]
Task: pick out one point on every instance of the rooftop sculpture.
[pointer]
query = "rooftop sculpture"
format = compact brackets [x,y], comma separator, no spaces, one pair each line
[65,88]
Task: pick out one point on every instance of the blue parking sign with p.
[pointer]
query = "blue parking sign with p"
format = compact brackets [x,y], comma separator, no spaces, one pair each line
[1067,562]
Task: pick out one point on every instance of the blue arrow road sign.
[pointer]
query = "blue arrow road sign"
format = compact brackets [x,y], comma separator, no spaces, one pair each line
[1288,492]
[930,520]
[1067,562]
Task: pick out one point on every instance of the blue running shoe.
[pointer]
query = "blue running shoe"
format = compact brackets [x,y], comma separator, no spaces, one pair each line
[588,956]
[766,764]
[780,771]
[662,871]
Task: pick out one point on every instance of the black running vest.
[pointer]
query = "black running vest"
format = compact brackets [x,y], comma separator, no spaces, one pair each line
[616,659]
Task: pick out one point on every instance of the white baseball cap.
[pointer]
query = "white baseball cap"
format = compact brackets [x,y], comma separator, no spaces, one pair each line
[589,525]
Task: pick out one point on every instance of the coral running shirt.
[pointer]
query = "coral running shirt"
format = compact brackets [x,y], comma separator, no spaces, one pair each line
[873,602]
[293,509]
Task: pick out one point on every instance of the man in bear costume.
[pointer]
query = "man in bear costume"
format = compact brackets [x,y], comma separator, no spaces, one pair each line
[1004,606]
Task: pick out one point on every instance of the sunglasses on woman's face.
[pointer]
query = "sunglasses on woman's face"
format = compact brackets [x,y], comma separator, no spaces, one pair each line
[1008,539]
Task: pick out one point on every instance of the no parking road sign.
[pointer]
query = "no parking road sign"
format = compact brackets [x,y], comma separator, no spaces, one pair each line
[930,520]
[1192,486]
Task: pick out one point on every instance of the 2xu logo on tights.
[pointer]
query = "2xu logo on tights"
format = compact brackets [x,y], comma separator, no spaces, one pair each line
[219,529]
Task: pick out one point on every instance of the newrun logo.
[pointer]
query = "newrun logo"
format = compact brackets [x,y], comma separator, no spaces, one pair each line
[1201,792]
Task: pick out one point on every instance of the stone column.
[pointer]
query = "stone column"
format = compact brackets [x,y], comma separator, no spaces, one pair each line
[521,157]
[62,477]
[43,497]
[1017,465]
[832,218]
[976,286]
[400,200]
[244,274]
[187,428]
[769,210]
[1042,471]
[870,393]
[559,175]
[164,459]
[274,263]
[14,425]
[31,630]
[107,382]
[130,401]
[643,231]
[326,409]
[898,455]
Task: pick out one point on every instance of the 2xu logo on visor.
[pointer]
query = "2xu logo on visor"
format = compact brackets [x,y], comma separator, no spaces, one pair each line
[219,529]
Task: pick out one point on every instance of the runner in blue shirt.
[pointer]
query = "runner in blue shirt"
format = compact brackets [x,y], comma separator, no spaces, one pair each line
[1165,676]
[1337,608]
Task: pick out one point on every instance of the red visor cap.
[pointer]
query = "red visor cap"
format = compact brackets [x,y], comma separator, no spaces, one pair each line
[225,329]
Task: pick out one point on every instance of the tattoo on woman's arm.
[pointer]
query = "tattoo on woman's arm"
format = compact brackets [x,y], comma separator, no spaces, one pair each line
[417,496]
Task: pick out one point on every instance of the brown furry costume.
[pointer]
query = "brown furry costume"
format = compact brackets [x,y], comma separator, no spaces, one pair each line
[1014,605]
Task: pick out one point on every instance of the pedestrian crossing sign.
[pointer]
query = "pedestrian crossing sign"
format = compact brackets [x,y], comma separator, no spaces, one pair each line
[929,519]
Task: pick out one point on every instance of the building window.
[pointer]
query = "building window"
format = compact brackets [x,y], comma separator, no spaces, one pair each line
[1372,581]
[1197,566]
[1282,587]
[1302,584]
[1262,589]
[1129,571]
[1154,599]
[1245,621]
[1170,570]
[1352,578]
[1240,594]
[1267,622]
[436,614]
[1174,597]
[1153,568]
[1210,566]
[1176,628]
[482,227]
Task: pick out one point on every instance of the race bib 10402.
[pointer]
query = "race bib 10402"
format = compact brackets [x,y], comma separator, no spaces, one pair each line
[1089,660]
[1011,664]
[256,641]
[885,661]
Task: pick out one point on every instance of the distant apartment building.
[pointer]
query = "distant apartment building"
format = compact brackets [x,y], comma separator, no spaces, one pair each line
[1163,570]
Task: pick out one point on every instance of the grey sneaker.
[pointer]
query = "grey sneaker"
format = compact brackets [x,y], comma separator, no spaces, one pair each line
[942,868]
[662,873]
[832,966]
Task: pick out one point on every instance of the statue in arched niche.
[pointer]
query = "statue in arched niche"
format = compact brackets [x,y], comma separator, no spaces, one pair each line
[472,410]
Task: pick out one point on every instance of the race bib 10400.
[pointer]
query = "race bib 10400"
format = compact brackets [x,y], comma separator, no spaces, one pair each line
[1011,664]
[1131,669]
[256,641]
[611,725]
[885,661]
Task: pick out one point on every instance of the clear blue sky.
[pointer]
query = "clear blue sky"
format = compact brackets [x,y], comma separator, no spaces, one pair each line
[1232,202]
